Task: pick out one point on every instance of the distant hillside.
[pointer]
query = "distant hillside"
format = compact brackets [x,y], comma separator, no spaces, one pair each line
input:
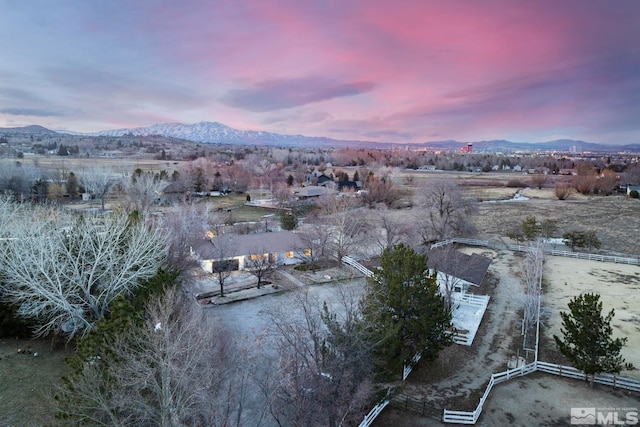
[218,133]
[27,130]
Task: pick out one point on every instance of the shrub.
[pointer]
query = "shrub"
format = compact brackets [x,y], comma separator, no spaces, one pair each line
[515,183]
[563,190]
[288,221]
[634,194]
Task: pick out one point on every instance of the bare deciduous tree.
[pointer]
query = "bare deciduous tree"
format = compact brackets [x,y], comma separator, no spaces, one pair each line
[315,238]
[379,190]
[63,271]
[184,222]
[223,264]
[343,223]
[393,230]
[563,190]
[98,181]
[607,182]
[177,369]
[260,264]
[323,377]
[281,195]
[443,211]
[539,180]
[141,191]
[584,184]
[531,274]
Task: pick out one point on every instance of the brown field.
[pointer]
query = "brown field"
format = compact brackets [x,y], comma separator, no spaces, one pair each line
[120,164]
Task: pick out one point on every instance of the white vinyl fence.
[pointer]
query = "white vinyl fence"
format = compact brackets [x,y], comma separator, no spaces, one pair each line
[471,417]
[371,416]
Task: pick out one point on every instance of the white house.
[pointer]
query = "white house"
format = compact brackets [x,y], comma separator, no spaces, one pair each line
[283,248]
[457,271]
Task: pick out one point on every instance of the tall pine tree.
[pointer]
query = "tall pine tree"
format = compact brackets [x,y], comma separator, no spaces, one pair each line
[404,311]
[587,340]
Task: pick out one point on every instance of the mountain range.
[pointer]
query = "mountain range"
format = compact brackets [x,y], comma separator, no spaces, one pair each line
[218,133]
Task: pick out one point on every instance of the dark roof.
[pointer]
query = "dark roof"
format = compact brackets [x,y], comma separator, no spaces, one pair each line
[471,268]
[174,187]
[324,178]
[349,184]
[247,244]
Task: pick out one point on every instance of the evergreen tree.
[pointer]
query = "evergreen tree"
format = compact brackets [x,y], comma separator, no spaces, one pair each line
[404,311]
[72,185]
[288,221]
[586,338]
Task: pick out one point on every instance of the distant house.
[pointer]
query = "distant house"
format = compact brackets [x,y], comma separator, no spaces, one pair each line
[567,172]
[284,247]
[174,191]
[349,185]
[310,192]
[324,181]
[458,269]
[541,170]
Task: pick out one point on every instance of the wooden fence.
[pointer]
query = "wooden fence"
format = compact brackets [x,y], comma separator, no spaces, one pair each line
[471,417]
[420,407]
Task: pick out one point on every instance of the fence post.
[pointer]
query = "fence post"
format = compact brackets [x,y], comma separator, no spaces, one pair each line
[424,407]
[406,402]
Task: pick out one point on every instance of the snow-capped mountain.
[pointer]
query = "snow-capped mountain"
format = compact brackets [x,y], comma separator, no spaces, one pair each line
[214,132]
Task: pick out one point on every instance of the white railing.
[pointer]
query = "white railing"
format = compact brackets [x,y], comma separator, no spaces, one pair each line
[471,242]
[465,417]
[524,248]
[471,417]
[606,379]
[481,301]
[581,255]
[371,416]
[355,264]
[408,368]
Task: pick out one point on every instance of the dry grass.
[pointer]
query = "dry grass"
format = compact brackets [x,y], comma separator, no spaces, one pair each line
[27,380]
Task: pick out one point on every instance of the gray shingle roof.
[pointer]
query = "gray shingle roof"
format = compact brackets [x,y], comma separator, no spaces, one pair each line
[471,268]
[248,244]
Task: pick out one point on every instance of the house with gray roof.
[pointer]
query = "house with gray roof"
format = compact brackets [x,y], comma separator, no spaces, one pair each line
[283,248]
[458,270]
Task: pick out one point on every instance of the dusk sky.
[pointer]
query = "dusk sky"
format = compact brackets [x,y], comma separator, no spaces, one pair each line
[397,71]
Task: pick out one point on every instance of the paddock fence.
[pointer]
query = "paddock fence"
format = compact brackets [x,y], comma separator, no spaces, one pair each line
[419,407]
[495,244]
[373,414]
[471,417]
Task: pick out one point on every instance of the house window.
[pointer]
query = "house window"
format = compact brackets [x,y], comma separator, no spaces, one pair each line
[307,252]
[255,257]
[289,254]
